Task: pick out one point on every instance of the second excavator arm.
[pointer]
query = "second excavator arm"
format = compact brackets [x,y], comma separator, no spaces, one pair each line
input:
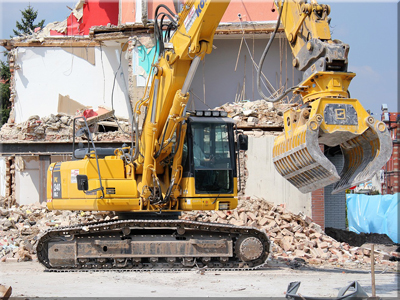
[328,115]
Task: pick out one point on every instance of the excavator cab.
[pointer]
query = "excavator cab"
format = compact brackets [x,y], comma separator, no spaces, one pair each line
[209,161]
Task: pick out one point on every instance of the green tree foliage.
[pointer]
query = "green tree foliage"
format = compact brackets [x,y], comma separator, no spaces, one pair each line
[27,25]
[5,105]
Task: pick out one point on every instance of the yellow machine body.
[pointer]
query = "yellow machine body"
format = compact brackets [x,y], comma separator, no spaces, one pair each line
[63,193]
[120,189]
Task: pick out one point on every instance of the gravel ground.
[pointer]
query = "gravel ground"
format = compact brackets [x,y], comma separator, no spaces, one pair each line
[28,280]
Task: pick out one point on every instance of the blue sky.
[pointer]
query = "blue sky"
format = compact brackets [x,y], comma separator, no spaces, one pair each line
[369,27]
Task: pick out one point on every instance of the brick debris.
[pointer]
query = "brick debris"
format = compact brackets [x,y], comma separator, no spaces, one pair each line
[294,236]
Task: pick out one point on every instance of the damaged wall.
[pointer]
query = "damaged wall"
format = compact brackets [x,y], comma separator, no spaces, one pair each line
[2,176]
[27,176]
[227,74]
[44,74]
[263,179]
[250,10]
[7,181]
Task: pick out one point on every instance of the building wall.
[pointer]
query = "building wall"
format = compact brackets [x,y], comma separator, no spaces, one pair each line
[264,181]
[128,11]
[2,176]
[318,207]
[46,73]
[91,13]
[250,10]
[229,70]
[27,179]
[335,205]
[392,168]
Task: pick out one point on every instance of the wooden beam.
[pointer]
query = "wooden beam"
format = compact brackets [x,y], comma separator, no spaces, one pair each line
[67,42]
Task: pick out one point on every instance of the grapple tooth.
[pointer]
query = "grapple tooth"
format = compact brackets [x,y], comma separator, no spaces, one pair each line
[364,155]
[299,159]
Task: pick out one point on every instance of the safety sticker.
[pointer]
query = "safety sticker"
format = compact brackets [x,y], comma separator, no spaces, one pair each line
[190,19]
[74,172]
[56,185]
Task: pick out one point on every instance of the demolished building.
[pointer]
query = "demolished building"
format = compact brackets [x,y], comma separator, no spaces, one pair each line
[101,56]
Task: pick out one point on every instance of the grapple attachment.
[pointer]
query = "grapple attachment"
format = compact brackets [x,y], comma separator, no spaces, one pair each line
[364,141]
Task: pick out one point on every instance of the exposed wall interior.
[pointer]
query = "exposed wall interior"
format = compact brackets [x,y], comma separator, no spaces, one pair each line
[228,73]
[72,75]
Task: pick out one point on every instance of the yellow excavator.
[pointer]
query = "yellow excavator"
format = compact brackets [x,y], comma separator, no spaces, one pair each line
[184,161]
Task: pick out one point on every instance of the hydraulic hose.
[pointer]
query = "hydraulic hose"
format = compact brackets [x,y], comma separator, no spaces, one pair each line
[271,99]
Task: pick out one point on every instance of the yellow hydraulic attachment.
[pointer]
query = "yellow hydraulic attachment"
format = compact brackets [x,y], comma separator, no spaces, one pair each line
[328,116]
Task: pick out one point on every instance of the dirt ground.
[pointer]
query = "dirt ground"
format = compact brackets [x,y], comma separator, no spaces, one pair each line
[355,239]
[29,280]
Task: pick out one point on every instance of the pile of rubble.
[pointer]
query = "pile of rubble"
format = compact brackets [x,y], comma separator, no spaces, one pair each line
[36,128]
[21,226]
[55,128]
[294,236]
[259,113]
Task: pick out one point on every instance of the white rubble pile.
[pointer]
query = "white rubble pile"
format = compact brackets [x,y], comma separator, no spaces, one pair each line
[259,113]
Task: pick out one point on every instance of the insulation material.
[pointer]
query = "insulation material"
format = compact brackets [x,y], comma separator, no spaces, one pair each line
[374,214]
[55,28]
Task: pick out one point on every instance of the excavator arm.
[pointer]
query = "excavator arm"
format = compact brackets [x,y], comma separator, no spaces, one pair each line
[166,104]
[328,115]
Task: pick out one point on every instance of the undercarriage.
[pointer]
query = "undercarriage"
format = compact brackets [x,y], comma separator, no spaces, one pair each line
[153,245]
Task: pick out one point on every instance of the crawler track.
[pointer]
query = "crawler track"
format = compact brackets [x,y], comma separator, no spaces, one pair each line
[165,245]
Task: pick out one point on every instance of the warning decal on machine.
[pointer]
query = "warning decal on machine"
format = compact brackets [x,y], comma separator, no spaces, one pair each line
[56,184]
[74,172]
[190,19]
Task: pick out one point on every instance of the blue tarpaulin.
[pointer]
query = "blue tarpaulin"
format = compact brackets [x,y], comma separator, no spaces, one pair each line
[374,214]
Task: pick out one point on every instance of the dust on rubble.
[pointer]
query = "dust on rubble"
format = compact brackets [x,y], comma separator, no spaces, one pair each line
[295,237]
